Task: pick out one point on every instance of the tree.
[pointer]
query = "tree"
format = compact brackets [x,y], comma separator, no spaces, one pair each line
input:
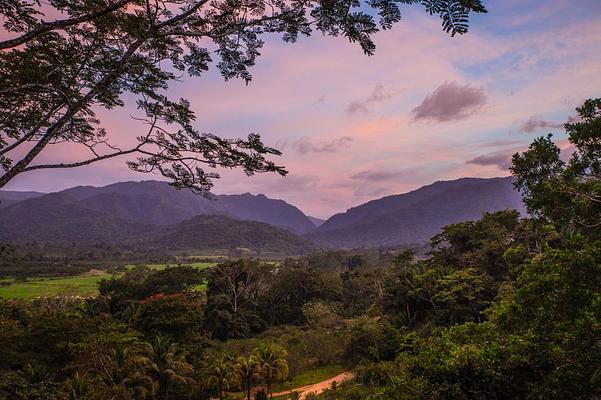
[219,373]
[370,340]
[566,194]
[408,291]
[55,76]
[233,293]
[165,364]
[273,364]
[293,287]
[248,369]
[463,295]
[176,315]
[141,283]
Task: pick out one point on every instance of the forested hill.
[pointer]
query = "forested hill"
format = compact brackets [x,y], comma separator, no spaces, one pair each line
[62,219]
[216,232]
[157,203]
[416,216]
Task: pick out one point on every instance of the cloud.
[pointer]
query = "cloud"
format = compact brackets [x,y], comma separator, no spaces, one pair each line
[450,101]
[362,106]
[500,159]
[533,124]
[305,145]
[379,176]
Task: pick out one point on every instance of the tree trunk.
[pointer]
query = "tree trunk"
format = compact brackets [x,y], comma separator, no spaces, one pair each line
[269,389]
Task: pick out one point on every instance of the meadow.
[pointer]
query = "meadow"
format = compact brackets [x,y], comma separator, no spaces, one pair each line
[82,285]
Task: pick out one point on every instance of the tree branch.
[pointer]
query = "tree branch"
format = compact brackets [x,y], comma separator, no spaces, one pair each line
[58,125]
[60,24]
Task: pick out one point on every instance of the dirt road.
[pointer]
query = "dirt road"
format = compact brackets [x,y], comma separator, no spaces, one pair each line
[319,387]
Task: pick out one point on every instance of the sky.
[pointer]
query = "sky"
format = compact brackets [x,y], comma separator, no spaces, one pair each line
[425,107]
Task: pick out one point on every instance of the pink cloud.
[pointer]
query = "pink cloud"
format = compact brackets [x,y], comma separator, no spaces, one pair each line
[305,145]
[500,159]
[533,124]
[450,101]
[362,106]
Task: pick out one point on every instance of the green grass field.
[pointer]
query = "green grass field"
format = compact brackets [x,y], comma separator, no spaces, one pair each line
[80,285]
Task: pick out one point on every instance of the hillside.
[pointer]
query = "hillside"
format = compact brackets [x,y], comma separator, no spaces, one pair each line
[8,198]
[416,216]
[153,202]
[316,221]
[57,217]
[217,232]
[60,218]
[157,203]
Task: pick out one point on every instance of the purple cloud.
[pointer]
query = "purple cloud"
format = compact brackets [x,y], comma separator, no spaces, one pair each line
[362,106]
[450,101]
[380,176]
[500,159]
[533,124]
[306,146]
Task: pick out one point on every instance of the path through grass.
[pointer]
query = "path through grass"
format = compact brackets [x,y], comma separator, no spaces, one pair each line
[309,378]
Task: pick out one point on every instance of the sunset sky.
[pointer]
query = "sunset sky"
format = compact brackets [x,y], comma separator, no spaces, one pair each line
[425,107]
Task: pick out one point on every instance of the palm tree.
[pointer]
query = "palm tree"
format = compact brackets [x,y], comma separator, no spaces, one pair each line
[33,374]
[247,368]
[220,373]
[121,369]
[165,365]
[77,388]
[273,364]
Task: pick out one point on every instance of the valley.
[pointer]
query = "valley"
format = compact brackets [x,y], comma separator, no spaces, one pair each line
[300,200]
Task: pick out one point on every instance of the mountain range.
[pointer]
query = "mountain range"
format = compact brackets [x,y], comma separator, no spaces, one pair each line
[417,216]
[154,214]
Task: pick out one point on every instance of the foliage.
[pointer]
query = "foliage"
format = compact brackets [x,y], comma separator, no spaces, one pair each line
[140,283]
[177,315]
[166,365]
[232,296]
[272,363]
[371,340]
[566,194]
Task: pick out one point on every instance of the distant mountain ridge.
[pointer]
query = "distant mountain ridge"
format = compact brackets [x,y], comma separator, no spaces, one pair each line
[8,198]
[316,221]
[416,216]
[157,203]
[58,217]
[61,218]
[159,214]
